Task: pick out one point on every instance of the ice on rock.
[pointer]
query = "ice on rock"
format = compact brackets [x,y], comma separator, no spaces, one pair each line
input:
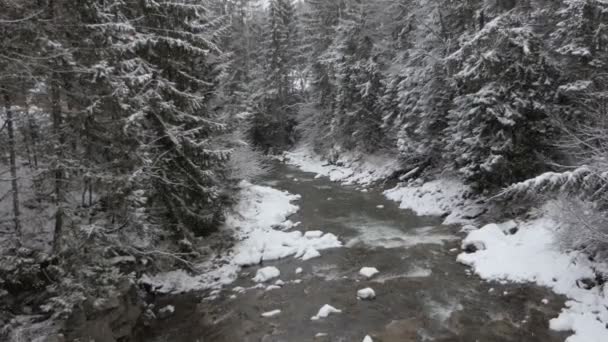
[271,313]
[266,273]
[310,254]
[166,311]
[368,272]
[313,234]
[325,311]
[367,339]
[272,287]
[366,293]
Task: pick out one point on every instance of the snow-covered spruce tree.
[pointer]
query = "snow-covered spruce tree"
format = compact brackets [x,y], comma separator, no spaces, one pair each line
[320,19]
[241,74]
[356,119]
[273,117]
[168,56]
[419,89]
[498,130]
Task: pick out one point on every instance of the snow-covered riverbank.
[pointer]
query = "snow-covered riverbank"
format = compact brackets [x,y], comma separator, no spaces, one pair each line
[445,196]
[522,252]
[529,251]
[258,222]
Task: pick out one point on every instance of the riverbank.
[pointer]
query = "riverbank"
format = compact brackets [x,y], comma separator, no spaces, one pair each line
[520,251]
[421,291]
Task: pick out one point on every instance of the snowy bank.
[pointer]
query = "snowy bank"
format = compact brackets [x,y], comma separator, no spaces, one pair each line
[259,211]
[348,169]
[531,254]
[261,208]
[442,197]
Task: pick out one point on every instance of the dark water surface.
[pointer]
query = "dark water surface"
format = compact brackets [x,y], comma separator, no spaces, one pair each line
[423,294]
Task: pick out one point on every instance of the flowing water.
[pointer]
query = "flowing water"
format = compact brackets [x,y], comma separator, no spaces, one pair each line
[423,294]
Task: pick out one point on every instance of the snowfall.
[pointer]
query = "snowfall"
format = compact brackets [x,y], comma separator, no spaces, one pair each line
[265,233]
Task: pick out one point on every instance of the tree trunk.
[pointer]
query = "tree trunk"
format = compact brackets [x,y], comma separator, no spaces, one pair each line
[13,163]
[57,130]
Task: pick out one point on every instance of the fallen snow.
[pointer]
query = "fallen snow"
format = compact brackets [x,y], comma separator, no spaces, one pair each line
[313,234]
[254,221]
[260,209]
[166,311]
[325,311]
[368,272]
[299,270]
[367,338]
[266,273]
[436,198]
[533,255]
[271,313]
[366,293]
[353,170]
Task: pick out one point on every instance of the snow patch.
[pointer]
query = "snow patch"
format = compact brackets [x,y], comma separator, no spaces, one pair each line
[442,197]
[368,272]
[266,273]
[533,255]
[271,313]
[325,311]
[348,169]
[259,211]
[366,293]
[367,338]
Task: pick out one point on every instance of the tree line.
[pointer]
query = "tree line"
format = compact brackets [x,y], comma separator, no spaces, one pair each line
[128,124]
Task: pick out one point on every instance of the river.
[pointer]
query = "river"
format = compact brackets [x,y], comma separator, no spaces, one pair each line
[423,294]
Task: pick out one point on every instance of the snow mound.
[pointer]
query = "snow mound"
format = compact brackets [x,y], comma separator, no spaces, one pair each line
[266,273]
[367,338]
[368,272]
[325,311]
[348,169]
[262,208]
[271,313]
[259,210]
[366,293]
[533,255]
[434,198]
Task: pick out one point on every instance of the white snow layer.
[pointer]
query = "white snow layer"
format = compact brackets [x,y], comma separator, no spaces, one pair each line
[440,197]
[533,255]
[367,338]
[353,170]
[266,273]
[368,272]
[325,311]
[259,211]
[271,313]
[436,198]
[366,293]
